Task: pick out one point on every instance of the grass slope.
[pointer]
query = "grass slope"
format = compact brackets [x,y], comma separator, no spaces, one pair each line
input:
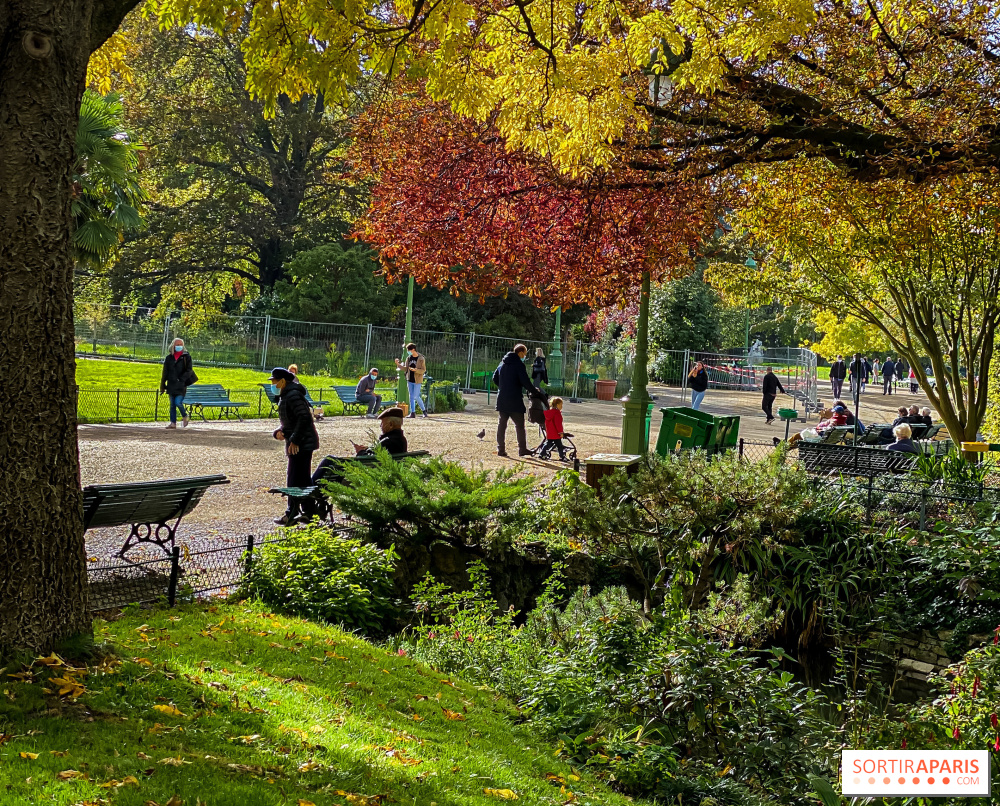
[231,704]
[138,401]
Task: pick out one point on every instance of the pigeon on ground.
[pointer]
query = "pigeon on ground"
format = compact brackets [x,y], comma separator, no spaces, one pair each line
[481,434]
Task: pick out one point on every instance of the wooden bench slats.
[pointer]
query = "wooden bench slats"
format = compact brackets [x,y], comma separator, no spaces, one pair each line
[213,396]
[349,399]
[147,506]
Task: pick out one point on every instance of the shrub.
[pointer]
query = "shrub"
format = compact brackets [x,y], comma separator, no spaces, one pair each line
[447,397]
[317,573]
[419,502]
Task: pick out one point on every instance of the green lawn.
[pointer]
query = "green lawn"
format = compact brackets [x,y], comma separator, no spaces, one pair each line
[137,400]
[230,704]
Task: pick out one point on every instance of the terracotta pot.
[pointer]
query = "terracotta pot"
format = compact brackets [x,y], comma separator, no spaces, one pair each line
[606,389]
[404,407]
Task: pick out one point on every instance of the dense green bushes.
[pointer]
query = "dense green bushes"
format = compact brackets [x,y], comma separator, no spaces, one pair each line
[317,573]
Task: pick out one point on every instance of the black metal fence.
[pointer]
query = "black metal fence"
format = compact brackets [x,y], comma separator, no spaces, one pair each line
[181,576]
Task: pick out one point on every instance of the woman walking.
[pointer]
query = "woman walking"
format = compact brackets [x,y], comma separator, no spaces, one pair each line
[539,371]
[178,375]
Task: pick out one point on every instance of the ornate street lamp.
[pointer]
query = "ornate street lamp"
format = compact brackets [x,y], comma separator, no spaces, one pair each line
[402,391]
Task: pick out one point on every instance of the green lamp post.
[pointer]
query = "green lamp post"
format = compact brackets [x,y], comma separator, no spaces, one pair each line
[752,264]
[638,409]
[555,355]
[402,393]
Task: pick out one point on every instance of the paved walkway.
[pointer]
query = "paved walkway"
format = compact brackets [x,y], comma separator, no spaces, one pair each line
[254,461]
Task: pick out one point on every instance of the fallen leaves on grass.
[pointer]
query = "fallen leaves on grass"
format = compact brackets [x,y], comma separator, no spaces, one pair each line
[29,756]
[70,775]
[503,794]
[171,710]
[174,762]
[453,715]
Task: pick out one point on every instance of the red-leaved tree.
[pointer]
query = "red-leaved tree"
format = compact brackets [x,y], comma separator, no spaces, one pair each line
[452,207]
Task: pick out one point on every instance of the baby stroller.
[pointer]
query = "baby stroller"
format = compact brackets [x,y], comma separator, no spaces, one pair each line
[538,404]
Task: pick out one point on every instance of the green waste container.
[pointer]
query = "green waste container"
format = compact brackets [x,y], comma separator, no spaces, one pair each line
[690,428]
[728,428]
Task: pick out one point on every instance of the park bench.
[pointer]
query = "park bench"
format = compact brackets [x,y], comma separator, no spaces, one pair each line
[152,508]
[272,398]
[212,396]
[826,458]
[315,492]
[349,398]
[587,381]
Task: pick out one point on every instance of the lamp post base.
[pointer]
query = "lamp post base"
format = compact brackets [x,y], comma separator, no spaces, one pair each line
[636,416]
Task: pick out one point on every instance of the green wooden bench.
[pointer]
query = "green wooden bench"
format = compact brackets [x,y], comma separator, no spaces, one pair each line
[826,458]
[152,508]
[315,492]
[586,383]
[212,396]
[272,398]
[349,398]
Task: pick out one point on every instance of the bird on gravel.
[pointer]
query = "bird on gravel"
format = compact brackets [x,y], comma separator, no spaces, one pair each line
[481,434]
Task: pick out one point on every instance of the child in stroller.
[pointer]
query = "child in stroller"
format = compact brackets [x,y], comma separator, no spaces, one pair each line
[550,426]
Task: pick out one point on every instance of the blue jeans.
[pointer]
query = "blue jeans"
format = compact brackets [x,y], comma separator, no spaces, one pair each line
[177,402]
[415,399]
[696,398]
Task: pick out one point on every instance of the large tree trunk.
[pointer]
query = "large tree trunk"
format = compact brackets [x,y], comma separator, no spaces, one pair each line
[44,49]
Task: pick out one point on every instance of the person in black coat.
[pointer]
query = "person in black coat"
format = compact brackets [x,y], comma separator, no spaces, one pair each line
[393,440]
[511,378]
[770,387]
[178,375]
[888,373]
[838,371]
[299,434]
[539,370]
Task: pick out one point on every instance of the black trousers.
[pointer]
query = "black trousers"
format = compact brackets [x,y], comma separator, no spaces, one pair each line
[766,405]
[517,417]
[836,385]
[553,445]
[299,475]
[887,384]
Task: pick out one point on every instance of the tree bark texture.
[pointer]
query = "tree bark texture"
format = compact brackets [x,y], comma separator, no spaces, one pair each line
[44,49]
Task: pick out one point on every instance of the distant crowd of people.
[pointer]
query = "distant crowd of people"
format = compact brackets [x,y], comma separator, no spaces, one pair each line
[860,372]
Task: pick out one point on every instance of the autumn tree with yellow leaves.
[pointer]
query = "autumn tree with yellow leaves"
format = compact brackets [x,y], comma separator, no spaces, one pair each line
[900,89]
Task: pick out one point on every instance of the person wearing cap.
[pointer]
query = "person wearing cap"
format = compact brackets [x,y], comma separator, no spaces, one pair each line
[393,440]
[365,392]
[299,434]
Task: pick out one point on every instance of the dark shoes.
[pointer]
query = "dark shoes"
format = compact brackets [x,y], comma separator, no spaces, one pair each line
[769,421]
[525,453]
[285,520]
[412,414]
[502,453]
[424,413]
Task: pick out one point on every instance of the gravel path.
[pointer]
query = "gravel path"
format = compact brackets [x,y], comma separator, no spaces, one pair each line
[254,462]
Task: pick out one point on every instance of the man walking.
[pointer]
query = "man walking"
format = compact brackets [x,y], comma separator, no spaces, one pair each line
[838,371]
[770,387]
[900,369]
[866,372]
[888,372]
[510,378]
[857,370]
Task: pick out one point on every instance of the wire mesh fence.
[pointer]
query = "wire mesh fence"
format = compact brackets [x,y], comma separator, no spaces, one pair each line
[347,351]
[181,576]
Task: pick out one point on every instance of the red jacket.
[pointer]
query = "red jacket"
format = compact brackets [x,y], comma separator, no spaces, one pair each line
[553,424]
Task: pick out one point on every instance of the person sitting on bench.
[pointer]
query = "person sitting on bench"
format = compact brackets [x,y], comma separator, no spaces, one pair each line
[393,440]
[903,443]
[365,393]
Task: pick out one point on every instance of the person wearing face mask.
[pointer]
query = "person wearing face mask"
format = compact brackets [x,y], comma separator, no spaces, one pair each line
[365,393]
[415,367]
[299,434]
[178,374]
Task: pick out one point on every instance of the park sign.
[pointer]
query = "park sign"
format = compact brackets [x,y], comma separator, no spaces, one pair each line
[924,773]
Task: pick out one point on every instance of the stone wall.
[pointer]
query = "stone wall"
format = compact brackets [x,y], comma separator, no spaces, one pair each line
[922,655]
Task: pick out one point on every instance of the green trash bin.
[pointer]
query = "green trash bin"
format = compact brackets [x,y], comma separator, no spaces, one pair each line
[728,427]
[690,428]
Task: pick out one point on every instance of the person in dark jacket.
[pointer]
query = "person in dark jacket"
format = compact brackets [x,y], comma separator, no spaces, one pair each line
[178,375]
[903,443]
[900,370]
[539,370]
[299,434]
[888,373]
[365,393]
[856,372]
[838,371]
[770,387]
[511,378]
[698,381]
[925,414]
[393,440]
[866,372]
